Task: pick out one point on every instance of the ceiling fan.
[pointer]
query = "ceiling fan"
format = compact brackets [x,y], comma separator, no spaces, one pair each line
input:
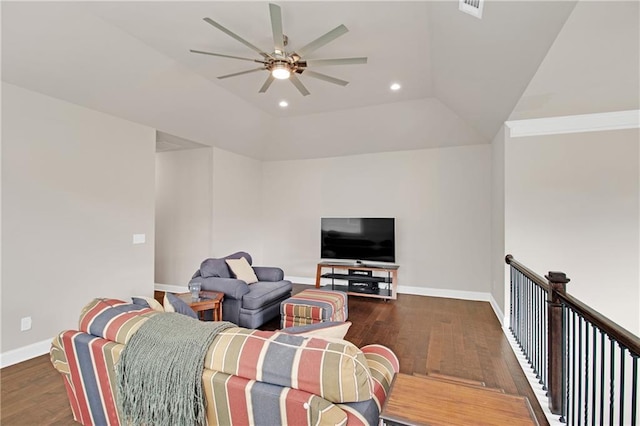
[282,64]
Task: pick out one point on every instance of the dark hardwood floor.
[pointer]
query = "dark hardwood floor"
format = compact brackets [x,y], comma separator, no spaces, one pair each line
[430,335]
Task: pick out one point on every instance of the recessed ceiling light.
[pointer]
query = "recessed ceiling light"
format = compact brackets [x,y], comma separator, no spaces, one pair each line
[395,86]
[283,104]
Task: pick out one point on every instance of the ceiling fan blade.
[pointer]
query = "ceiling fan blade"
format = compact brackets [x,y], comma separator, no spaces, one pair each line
[296,82]
[266,84]
[322,40]
[240,73]
[325,77]
[226,56]
[276,27]
[237,37]
[339,61]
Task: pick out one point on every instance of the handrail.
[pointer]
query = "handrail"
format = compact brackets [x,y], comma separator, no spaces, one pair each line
[616,331]
[542,282]
[619,333]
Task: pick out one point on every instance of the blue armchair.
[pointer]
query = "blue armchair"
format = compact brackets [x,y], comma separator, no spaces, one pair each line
[247,305]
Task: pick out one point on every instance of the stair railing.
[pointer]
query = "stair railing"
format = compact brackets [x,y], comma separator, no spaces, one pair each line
[587,363]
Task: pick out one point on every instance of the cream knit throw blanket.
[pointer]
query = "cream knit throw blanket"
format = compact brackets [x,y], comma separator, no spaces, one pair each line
[160,371]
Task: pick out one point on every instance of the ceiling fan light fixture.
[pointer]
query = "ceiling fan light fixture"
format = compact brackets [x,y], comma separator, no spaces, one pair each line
[280,71]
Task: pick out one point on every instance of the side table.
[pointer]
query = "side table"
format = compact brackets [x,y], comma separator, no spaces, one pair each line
[208,300]
[425,401]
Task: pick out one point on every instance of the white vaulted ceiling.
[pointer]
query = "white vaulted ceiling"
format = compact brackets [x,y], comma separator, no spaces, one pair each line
[461,76]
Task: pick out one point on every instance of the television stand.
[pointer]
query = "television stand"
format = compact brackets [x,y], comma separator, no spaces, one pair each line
[360,280]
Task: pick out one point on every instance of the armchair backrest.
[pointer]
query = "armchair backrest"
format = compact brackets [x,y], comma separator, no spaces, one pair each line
[217,267]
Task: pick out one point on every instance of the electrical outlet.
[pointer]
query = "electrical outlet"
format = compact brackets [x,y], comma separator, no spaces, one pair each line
[25,324]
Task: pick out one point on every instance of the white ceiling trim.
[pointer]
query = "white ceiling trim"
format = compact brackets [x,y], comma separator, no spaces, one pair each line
[596,122]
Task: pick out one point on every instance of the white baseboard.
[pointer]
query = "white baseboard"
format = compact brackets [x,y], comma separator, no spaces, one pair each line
[439,292]
[504,321]
[170,288]
[302,280]
[24,353]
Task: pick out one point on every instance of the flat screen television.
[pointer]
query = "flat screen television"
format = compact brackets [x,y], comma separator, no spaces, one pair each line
[358,239]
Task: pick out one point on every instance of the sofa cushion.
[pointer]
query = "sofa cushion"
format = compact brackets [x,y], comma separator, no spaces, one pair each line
[113,319]
[263,293]
[147,302]
[172,303]
[337,372]
[214,268]
[242,270]
[333,329]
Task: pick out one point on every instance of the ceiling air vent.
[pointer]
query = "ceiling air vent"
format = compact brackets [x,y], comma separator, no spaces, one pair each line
[472,7]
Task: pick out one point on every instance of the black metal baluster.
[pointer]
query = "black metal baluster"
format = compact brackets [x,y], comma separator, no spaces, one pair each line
[542,357]
[535,348]
[622,380]
[602,366]
[634,391]
[523,307]
[573,364]
[593,375]
[519,312]
[579,371]
[545,360]
[511,295]
[530,326]
[565,362]
[514,307]
[525,341]
[586,372]
[612,371]
[534,328]
[514,321]
[527,320]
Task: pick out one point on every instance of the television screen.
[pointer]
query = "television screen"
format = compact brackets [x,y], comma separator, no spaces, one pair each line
[371,239]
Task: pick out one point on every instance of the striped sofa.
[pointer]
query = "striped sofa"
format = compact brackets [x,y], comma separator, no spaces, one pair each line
[249,377]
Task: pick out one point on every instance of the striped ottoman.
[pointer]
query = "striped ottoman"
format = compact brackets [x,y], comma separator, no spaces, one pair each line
[313,306]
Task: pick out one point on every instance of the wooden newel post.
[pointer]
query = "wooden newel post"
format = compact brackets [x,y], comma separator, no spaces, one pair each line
[558,284]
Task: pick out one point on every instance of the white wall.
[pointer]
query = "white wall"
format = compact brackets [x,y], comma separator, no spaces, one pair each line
[76,185]
[237,205]
[209,204]
[441,199]
[498,289]
[572,204]
[183,213]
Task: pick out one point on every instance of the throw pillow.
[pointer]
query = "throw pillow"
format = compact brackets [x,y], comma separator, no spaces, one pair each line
[175,304]
[322,330]
[242,270]
[147,302]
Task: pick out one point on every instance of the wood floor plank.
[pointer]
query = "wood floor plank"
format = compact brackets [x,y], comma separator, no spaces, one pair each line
[429,335]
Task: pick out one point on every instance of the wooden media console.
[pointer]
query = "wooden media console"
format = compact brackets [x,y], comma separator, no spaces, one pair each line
[360,280]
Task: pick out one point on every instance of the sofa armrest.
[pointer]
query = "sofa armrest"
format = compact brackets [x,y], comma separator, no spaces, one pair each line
[231,287]
[196,274]
[383,365]
[268,273]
